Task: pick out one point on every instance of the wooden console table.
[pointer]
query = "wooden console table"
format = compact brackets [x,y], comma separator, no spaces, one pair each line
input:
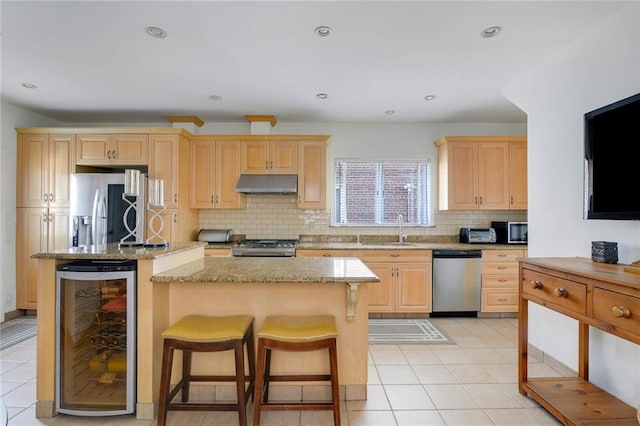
[597,295]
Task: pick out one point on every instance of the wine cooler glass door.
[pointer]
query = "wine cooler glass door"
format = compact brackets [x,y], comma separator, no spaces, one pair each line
[95,342]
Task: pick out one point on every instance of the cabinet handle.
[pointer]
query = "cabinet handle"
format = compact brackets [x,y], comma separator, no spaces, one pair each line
[326,255]
[502,267]
[536,284]
[175,198]
[511,199]
[481,200]
[44,216]
[51,197]
[46,197]
[502,255]
[266,165]
[50,217]
[175,218]
[475,201]
[620,312]
[395,255]
[216,199]
[502,300]
[561,292]
[502,281]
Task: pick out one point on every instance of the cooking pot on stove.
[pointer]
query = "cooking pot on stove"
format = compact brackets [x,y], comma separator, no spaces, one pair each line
[215,235]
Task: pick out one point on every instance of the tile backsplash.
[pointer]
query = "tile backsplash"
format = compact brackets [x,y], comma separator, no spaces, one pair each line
[277,216]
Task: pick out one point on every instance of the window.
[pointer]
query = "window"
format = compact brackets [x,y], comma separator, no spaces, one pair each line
[374,193]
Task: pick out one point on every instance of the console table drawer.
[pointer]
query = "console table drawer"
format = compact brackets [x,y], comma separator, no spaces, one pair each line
[560,292]
[619,310]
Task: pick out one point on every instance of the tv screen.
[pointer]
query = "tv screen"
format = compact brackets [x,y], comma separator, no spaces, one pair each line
[612,161]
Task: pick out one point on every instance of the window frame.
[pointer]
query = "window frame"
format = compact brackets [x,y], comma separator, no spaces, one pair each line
[379,202]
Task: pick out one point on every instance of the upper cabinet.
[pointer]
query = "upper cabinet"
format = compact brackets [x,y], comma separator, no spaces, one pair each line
[312,174]
[215,169]
[482,173]
[269,157]
[112,149]
[164,156]
[45,164]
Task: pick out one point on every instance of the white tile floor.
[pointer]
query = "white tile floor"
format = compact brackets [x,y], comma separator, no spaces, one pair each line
[473,382]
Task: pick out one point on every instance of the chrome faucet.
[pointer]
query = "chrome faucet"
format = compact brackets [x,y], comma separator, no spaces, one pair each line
[401,236]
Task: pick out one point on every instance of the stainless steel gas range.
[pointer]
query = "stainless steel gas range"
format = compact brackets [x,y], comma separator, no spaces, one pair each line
[265,248]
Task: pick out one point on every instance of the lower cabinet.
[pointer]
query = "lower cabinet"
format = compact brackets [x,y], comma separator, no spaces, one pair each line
[217,252]
[500,280]
[39,230]
[405,280]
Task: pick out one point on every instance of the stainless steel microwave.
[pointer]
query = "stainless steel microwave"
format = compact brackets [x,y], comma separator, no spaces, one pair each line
[511,232]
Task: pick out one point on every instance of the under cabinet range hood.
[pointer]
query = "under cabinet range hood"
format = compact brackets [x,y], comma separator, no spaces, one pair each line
[267,184]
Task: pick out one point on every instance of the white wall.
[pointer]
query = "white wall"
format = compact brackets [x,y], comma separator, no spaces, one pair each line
[600,68]
[12,117]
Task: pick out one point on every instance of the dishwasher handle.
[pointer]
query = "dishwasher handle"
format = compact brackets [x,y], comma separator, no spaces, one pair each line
[456,254]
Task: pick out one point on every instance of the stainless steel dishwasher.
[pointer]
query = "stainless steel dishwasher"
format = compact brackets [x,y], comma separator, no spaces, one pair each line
[457,278]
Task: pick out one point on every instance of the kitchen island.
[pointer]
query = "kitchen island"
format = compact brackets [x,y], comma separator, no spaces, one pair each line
[179,280]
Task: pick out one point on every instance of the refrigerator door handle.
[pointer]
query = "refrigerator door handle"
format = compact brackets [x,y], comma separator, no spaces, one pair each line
[98,227]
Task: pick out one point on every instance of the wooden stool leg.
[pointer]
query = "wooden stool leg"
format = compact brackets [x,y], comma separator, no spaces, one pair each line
[242,408]
[186,374]
[267,374]
[165,382]
[257,396]
[335,390]
[251,356]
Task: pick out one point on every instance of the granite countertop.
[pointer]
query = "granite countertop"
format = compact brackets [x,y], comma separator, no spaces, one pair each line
[270,270]
[113,251]
[404,246]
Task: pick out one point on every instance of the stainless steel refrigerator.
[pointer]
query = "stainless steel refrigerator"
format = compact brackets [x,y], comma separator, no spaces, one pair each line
[98,210]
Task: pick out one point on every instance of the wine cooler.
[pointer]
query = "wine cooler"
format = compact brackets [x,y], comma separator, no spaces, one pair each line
[95,337]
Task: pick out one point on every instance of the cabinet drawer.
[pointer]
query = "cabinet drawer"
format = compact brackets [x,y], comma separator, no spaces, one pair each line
[326,253]
[499,300]
[545,286]
[604,304]
[501,255]
[500,268]
[217,252]
[396,255]
[500,281]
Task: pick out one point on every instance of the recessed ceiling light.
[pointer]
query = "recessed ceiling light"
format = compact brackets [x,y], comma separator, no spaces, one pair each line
[323,31]
[429,97]
[29,85]
[156,32]
[322,96]
[389,112]
[490,32]
[215,98]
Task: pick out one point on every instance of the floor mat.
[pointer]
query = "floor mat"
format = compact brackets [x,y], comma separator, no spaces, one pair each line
[406,331]
[17,330]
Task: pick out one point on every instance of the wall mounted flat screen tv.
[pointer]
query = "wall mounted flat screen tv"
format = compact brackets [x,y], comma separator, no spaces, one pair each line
[612,161]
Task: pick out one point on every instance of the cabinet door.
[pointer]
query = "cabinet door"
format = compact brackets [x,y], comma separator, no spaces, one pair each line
[93,149]
[311,175]
[130,149]
[201,190]
[254,157]
[493,176]
[413,288]
[31,237]
[163,164]
[518,176]
[227,172]
[33,160]
[283,157]
[381,295]
[61,166]
[463,175]
[58,229]
[169,231]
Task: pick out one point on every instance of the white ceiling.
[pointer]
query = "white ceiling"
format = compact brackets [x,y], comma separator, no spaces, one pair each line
[93,61]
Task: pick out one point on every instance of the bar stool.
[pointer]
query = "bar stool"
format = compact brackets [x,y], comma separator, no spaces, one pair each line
[200,333]
[299,334]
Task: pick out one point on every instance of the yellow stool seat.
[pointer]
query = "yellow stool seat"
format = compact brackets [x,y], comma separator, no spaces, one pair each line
[203,328]
[289,328]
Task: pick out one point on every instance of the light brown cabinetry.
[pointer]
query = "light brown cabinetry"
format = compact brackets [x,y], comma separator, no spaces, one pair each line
[39,230]
[45,164]
[475,173]
[169,161]
[405,280]
[596,295]
[112,149]
[326,253]
[217,252]
[215,169]
[312,179]
[500,280]
[269,156]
